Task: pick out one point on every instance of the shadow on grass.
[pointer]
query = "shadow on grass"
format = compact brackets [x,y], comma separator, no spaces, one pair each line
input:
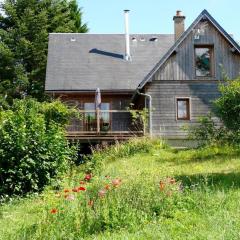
[216,181]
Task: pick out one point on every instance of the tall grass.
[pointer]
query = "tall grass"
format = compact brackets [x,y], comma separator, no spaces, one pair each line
[138,190]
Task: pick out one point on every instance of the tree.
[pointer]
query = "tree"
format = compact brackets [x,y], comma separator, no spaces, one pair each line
[24,26]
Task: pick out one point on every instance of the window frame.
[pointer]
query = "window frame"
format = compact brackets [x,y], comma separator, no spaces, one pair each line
[188,99]
[212,67]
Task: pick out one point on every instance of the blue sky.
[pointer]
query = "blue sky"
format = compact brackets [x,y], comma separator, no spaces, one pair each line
[155,16]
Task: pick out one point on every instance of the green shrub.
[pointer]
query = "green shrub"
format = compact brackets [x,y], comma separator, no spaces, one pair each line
[208,132]
[33,148]
[228,105]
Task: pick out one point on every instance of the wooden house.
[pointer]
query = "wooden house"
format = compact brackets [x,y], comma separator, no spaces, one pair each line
[174,75]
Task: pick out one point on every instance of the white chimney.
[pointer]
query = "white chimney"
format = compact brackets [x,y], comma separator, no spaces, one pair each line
[127,38]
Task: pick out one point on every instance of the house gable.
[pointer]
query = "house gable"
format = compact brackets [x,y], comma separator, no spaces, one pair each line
[178,62]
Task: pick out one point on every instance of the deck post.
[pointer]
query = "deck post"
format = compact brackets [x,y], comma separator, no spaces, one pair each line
[98,120]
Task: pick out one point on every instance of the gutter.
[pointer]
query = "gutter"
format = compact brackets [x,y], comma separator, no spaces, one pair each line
[149,109]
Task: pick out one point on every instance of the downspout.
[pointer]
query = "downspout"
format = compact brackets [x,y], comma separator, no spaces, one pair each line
[149,109]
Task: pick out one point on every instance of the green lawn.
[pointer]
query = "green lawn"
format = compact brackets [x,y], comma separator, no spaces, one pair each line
[202,204]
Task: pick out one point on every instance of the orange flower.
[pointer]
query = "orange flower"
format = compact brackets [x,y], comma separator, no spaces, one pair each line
[162,185]
[116,182]
[75,189]
[81,189]
[107,187]
[66,190]
[171,180]
[53,211]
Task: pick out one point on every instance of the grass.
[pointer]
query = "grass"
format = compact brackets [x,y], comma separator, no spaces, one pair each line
[199,198]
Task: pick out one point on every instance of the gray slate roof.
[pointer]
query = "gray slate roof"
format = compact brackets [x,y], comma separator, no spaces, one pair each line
[93,61]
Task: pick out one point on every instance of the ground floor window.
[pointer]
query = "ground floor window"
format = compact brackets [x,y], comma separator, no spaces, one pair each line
[183,109]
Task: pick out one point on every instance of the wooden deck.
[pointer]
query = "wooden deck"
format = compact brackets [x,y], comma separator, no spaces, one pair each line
[103,126]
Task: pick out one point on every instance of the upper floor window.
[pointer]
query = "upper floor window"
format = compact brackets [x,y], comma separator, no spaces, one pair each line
[203,61]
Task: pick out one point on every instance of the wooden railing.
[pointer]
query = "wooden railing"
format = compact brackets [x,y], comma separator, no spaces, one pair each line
[105,123]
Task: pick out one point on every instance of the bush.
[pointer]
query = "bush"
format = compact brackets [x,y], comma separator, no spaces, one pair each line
[33,148]
[228,105]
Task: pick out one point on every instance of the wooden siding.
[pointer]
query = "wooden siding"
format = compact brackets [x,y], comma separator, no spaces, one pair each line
[176,78]
[180,66]
[164,97]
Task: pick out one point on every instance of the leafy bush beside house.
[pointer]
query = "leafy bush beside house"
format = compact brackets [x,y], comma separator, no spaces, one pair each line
[228,105]
[33,148]
[227,109]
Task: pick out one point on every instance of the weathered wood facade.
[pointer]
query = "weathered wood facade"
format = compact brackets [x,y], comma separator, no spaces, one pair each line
[176,79]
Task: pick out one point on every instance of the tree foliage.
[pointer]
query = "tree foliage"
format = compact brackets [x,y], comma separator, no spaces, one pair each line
[24,28]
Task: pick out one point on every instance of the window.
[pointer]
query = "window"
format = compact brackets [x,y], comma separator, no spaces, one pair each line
[203,61]
[105,117]
[183,109]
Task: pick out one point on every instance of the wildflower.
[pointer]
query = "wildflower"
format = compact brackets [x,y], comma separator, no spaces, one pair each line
[162,185]
[70,197]
[116,182]
[102,193]
[90,203]
[75,189]
[107,187]
[81,189]
[88,177]
[53,211]
[66,190]
[82,182]
[171,180]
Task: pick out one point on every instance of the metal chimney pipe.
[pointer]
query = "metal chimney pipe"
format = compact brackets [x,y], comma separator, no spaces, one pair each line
[127,38]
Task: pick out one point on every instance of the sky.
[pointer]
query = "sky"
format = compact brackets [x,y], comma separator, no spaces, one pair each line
[155,16]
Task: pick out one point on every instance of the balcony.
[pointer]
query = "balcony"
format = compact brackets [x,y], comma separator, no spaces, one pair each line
[104,125]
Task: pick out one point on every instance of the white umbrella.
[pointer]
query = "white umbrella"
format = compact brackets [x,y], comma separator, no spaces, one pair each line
[98,99]
[98,107]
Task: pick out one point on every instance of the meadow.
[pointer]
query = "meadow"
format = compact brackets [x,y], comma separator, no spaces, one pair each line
[139,190]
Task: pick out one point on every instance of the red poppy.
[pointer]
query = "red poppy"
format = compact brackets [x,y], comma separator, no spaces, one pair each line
[53,211]
[66,190]
[88,177]
[81,189]
[162,185]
